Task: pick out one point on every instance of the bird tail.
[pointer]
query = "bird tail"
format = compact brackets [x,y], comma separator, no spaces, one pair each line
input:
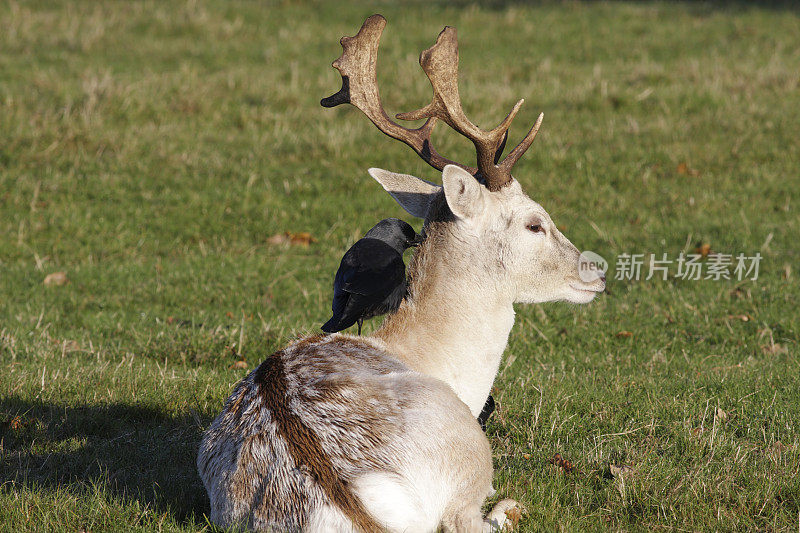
[331,326]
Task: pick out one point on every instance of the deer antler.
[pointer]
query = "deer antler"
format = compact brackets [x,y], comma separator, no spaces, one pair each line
[360,87]
[357,66]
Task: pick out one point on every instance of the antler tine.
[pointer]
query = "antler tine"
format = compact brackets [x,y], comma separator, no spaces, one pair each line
[524,144]
[357,65]
[440,63]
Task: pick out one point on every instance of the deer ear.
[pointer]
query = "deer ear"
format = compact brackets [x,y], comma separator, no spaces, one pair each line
[465,196]
[412,193]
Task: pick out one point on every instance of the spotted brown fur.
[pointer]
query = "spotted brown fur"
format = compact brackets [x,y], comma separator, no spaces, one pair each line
[290,439]
[303,444]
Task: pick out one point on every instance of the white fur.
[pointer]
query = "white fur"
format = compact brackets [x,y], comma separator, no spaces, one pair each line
[328,518]
[458,330]
[409,504]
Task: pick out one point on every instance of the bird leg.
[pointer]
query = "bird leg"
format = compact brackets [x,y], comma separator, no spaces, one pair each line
[360,321]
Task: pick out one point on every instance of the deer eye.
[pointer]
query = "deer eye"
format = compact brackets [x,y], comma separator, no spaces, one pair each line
[536,228]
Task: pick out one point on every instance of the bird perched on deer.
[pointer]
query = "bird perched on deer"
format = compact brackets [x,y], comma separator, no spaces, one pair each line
[371,279]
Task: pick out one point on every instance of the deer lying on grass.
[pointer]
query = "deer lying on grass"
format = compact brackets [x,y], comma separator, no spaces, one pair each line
[343,433]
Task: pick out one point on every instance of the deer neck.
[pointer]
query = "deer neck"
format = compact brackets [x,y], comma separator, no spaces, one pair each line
[455,323]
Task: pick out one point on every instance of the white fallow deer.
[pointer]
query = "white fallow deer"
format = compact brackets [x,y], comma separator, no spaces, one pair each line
[344,433]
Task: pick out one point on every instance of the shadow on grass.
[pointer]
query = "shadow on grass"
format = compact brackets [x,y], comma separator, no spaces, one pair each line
[136,452]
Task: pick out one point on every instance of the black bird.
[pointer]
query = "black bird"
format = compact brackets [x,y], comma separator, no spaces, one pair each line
[371,279]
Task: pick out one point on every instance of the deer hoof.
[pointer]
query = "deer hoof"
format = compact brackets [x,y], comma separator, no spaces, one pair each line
[505,515]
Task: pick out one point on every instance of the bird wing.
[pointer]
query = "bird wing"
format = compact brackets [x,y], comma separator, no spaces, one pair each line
[373,268]
[338,306]
[369,273]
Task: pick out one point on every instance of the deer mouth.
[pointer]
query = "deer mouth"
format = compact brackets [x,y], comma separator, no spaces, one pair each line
[581,293]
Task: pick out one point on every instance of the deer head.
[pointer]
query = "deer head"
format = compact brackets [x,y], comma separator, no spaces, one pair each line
[504,233]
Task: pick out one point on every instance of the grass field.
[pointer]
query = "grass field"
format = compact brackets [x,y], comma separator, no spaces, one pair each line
[149,150]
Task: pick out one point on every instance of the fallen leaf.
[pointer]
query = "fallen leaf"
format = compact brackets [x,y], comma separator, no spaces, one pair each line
[526,456]
[721,415]
[703,249]
[239,365]
[302,238]
[565,464]
[743,318]
[17,423]
[624,334]
[685,170]
[56,278]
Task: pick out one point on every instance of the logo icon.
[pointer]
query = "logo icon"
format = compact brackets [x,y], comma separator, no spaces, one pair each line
[591,266]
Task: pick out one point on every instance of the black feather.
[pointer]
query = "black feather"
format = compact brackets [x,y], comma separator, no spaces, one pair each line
[371,279]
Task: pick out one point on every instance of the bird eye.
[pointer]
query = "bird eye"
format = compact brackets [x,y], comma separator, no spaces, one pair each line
[536,228]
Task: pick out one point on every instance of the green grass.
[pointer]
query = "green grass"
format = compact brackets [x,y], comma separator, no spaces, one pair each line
[150,149]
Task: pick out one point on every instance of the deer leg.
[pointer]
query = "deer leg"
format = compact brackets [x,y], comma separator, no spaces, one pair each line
[469,520]
[504,516]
